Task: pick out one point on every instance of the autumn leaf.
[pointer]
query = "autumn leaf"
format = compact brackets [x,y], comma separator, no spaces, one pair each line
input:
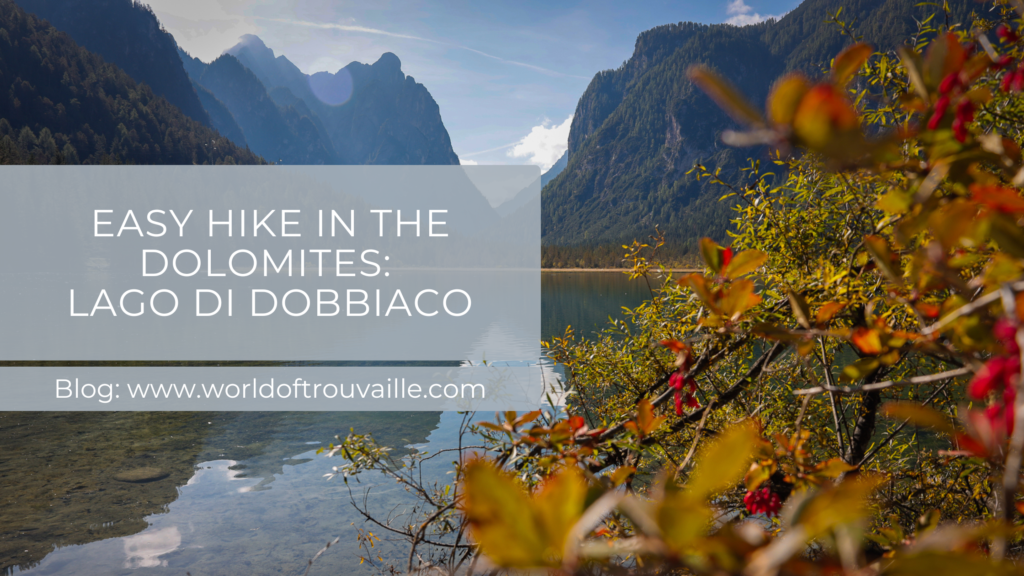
[738,299]
[744,263]
[828,311]
[500,516]
[918,415]
[867,340]
[848,62]
[785,97]
[712,254]
[725,95]
[723,463]
[999,198]
[859,369]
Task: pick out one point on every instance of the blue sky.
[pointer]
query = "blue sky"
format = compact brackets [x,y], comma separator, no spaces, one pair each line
[506,75]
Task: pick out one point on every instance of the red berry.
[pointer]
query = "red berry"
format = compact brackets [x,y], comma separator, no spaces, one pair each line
[952,80]
[959,130]
[965,110]
[1018,80]
[763,501]
[1006,34]
[941,105]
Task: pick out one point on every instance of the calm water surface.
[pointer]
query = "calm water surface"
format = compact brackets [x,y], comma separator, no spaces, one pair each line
[227,492]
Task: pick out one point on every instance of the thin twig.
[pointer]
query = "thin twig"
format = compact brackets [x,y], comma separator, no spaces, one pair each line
[883,385]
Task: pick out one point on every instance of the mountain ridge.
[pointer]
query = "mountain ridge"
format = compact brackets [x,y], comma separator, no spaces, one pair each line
[372,113]
[639,128]
[62,104]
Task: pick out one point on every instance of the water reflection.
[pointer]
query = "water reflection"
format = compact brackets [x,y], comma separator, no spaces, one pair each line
[144,550]
[585,300]
[71,479]
[220,493]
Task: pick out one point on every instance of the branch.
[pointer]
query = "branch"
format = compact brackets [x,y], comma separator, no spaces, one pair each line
[730,393]
[973,306]
[883,385]
[703,363]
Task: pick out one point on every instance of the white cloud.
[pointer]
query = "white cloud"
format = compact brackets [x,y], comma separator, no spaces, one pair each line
[467,162]
[544,145]
[742,15]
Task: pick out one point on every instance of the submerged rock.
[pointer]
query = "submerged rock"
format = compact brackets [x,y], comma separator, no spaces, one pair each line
[140,475]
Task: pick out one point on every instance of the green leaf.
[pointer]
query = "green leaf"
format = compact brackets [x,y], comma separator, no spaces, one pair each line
[744,263]
[725,95]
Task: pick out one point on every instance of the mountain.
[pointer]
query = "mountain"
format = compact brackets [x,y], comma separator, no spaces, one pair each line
[638,129]
[282,135]
[371,113]
[220,117]
[60,103]
[555,169]
[127,34]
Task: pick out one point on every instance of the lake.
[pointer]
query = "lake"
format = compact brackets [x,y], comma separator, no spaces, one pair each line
[225,492]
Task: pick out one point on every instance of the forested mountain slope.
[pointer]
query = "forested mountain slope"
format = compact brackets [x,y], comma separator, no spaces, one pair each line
[127,34]
[61,103]
[638,129]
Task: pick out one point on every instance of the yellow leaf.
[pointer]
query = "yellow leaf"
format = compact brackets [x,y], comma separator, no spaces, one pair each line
[1004,230]
[645,420]
[949,562]
[836,505]
[912,64]
[918,415]
[823,116]
[833,468]
[785,97]
[723,463]
[725,95]
[756,476]
[848,62]
[621,475]
[559,504]
[744,263]
[859,369]
[738,299]
[501,517]
[699,284]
